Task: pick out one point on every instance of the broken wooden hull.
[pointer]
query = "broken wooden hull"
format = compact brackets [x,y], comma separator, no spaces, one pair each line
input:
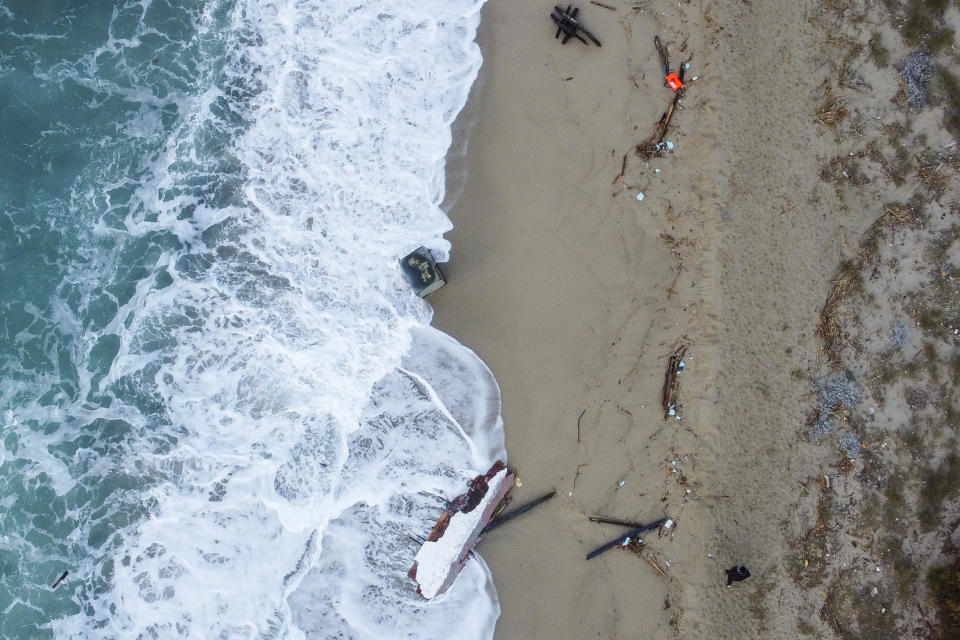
[457,531]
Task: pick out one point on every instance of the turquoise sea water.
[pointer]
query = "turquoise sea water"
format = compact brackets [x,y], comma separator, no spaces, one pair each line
[91,97]
[205,340]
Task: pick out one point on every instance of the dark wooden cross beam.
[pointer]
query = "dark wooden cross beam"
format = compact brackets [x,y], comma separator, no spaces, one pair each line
[569,26]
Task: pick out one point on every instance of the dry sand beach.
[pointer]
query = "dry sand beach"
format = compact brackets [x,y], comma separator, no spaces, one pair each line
[779,189]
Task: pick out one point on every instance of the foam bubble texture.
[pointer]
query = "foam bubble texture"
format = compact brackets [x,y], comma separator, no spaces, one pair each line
[287,416]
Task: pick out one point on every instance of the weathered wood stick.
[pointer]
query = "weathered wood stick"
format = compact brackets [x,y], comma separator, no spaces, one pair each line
[623,170]
[622,523]
[666,122]
[605,6]
[671,382]
[657,567]
[518,511]
[664,58]
[621,539]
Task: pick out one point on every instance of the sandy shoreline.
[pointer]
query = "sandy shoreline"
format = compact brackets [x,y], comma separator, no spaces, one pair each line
[575,293]
[559,280]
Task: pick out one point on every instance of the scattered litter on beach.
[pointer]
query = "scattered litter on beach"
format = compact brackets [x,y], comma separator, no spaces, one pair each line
[674,80]
[640,196]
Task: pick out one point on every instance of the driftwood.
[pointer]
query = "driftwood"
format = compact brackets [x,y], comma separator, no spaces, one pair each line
[569,26]
[664,57]
[620,540]
[623,170]
[671,381]
[654,143]
[622,523]
[518,511]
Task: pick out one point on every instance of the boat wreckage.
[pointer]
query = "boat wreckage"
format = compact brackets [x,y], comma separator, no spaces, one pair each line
[457,531]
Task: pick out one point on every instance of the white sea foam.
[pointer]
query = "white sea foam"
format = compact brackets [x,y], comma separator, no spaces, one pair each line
[312,420]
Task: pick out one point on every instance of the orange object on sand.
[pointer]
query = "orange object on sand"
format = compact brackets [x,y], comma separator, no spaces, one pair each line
[674,81]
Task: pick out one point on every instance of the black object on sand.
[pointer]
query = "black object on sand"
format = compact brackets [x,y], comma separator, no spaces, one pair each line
[569,26]
[624,537]
[736,574]
[518,511]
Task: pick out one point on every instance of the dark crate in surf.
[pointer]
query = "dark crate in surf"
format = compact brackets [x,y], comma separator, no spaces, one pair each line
[422,272]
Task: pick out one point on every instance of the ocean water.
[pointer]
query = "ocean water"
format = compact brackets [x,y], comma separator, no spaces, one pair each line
[222,409]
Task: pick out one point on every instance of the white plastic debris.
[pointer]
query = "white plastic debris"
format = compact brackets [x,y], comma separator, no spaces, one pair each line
[669,145]
[622,482]
[686,66]
[640,196]
[672,411]
[658,171]
[878,569]
[695,78]
[668,524]
[626,542]
[681,365]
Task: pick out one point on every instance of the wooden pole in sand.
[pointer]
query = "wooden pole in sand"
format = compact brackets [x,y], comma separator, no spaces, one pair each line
[624,537]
